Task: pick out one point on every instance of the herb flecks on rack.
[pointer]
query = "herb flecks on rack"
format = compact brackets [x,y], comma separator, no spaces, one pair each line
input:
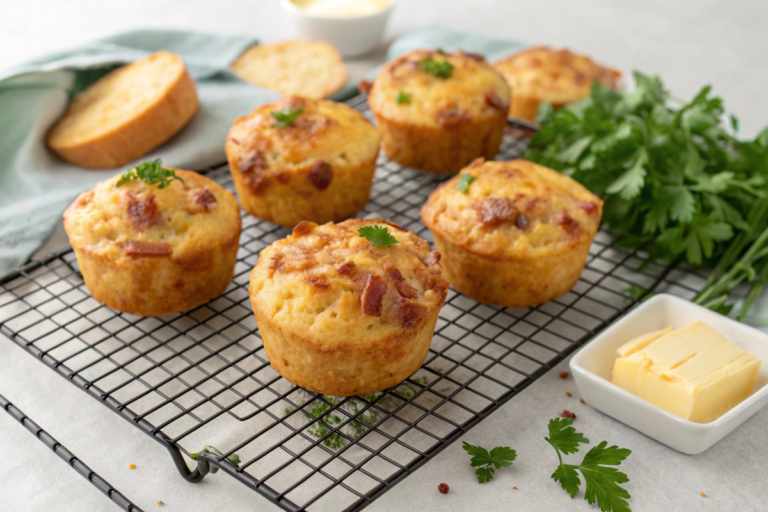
[234,458]
[602,480]
[151,173]
[675,181]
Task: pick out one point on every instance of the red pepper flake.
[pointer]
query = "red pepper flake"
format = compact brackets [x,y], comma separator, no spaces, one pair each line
[443,488]
[568,394]
[563,375]
[565,413]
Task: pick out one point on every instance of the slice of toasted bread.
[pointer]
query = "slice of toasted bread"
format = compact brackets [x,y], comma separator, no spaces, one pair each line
[126,114]
[310,69]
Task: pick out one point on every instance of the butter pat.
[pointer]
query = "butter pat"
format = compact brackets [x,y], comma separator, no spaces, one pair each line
[693,372]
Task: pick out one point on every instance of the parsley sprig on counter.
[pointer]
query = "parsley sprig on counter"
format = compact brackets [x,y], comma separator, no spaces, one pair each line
[675,180]
[379,236]
[488,462]
[151,173]
[465,180]
[438,68]
[602,481]
[285,117]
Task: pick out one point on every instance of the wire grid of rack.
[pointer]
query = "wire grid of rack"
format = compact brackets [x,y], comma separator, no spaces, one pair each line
[202,377]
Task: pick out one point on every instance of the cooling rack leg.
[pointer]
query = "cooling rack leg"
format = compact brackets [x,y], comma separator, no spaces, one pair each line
[203,468]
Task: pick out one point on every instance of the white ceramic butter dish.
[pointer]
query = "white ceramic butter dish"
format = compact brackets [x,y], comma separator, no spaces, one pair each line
[592,368]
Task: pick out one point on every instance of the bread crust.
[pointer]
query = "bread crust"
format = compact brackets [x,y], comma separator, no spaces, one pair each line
[447,122]
[320,168]
[340,317]
[310,69]
[160,116]
[183,255]
[559,77]
[518,238]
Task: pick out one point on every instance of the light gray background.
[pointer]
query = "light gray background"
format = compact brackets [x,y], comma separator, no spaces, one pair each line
[689,43]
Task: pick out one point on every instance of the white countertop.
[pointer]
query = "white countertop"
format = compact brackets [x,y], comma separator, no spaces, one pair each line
[688,43]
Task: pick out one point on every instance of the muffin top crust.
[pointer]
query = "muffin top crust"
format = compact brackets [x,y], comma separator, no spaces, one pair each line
[324,136]
[557,76]
[137,220]
[437,89]
[513,209]
[329,279]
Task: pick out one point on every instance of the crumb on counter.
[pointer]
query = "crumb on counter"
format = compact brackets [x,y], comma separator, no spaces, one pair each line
[514,488]
[568,394]
[582,400]
[132,465]
[159,502]
[565,413]
[443,488]
[703,495]
[563,375]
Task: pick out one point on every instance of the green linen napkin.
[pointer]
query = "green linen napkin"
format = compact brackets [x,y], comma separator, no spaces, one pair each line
[36,186]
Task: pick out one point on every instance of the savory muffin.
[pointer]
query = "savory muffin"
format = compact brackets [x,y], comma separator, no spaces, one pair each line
[557,76]
[341,316]
[126,114]
[438,111]
[150,251]
[310,69]
[512,233]
[299,159]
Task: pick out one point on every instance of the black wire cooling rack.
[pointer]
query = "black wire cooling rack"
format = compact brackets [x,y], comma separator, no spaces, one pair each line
[202,377]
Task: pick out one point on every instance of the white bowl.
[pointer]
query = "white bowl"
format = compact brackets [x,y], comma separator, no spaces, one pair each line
[351,36]
[592,368]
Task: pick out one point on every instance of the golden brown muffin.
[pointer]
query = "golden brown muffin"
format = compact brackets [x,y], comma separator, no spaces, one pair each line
[318,168]
[151,251]
[557,76]
[310,69]
[520,235]
[341,317]
[126,114]
[437,118]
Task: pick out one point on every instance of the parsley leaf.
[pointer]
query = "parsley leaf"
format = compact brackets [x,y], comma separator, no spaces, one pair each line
[465,180]
[602,481]
[488,462]
[285,117]
[234,458]
[151,173]
[676,181]
[379,236]
[403,98]
[440,69]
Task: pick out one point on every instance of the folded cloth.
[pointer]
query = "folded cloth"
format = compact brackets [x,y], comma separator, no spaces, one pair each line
[36,186]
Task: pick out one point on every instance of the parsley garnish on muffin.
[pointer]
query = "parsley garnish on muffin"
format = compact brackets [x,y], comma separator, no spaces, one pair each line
[285,117]
[151,173]
[403,97]
[465,180]
[440,69]
[379,236]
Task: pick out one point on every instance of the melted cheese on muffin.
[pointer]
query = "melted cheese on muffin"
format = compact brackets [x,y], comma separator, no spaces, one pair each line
[513,209]
[474,90]
[329,279]
[557,76]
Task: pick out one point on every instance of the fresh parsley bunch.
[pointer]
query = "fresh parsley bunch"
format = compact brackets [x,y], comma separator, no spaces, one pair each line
[674,180]
[602,481]
[151,173]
